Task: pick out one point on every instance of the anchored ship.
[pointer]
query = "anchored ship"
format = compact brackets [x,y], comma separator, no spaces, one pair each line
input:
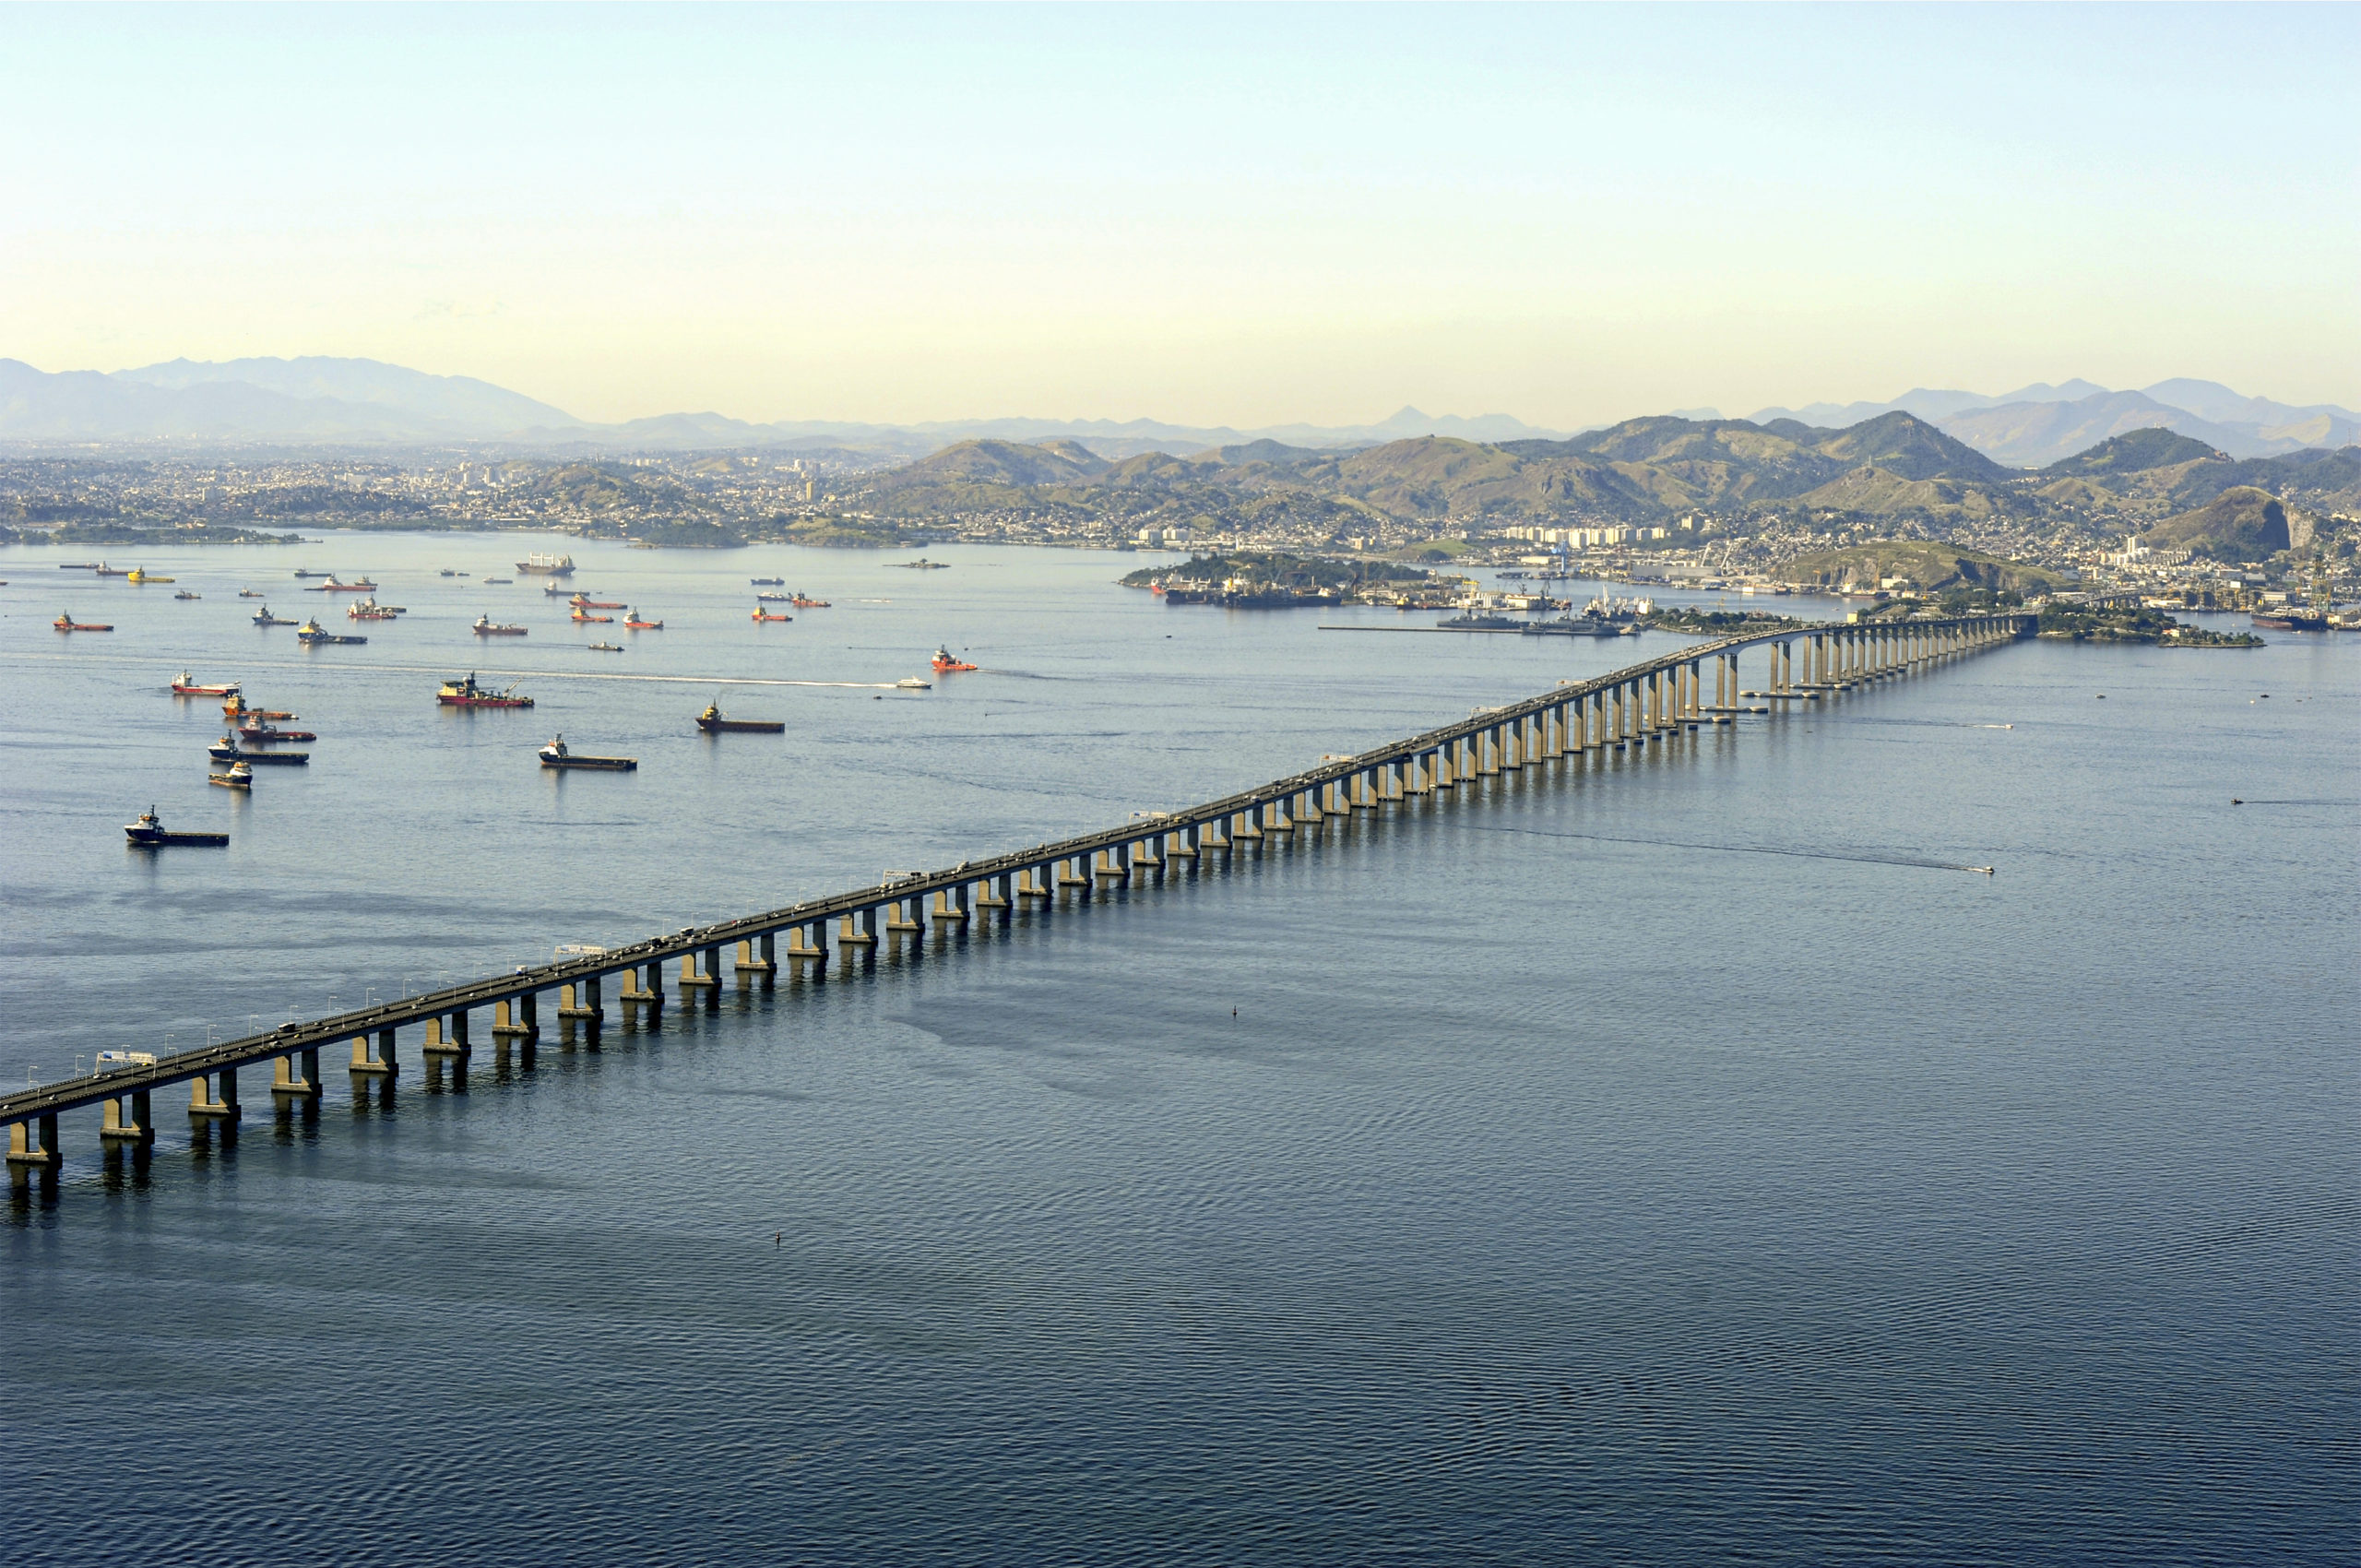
[484,627]
[713,722]
[944,664]
[465,693]
[150,833]
[185,685]
[263,617]
[67,624]
[633,623]
[555,754]
[313,635]
[548,565]
[240,777]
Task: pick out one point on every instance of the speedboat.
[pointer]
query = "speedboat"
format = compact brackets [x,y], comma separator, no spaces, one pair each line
[913,683]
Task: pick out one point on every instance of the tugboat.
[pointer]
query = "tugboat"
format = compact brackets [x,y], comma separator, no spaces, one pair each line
[944,664]
[67,624]
[633,623]
[240,777]
[712,722]
[485,627]
[548,565]
[227,749]
[263,617]
[370,610]
[465,693]
[554,755]
[148,833]
[762,615]
[768,582]
[311,633]
[262,733]
[185,685]
[802,603]
[141,575]
[587,618]
[583,602]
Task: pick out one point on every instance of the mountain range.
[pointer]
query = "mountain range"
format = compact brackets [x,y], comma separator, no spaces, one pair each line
[320,400]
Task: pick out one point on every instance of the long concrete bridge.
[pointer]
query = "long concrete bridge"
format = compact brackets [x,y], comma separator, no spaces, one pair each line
[1634,707]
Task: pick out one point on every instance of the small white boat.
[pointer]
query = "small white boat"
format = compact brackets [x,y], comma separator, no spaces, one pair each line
[912,683]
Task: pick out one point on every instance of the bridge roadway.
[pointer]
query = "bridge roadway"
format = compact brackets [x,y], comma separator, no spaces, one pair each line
[1630,706]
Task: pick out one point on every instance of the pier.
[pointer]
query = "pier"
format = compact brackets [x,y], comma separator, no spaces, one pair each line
[1625,710]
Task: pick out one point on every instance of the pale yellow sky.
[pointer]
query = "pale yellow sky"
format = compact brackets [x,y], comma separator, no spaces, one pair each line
[1569,215]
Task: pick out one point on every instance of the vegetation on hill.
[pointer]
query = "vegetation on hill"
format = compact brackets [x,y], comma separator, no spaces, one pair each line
[1926,564]
[119,533]
[2240,524]
[1278,569]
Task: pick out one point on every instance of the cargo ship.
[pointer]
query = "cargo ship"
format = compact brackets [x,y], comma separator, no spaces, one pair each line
[104,570]
[485,627]
[465,693]
[185,685]
[262,731]
[713,723]
[150,833]
[332,586]
[301,575]
[311,633]
[583,602]
[633,623]
[227,749]
[944,664]
[762,615]
[555,754]
[2289,621]
[263,617]
[240,777]
[67,624]
[548,565]
[770,599]
[768,582]
[370,610]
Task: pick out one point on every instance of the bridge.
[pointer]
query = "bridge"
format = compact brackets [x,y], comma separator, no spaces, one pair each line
[1634,707]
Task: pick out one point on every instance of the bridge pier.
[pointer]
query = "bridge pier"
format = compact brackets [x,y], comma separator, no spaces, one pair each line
[32,1142]
[383,1064]
[859,929]
[757,961]
[295,1075]
[447,1039]
[213,1097]
[128,1119]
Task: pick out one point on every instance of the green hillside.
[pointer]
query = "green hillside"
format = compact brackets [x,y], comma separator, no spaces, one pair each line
[1926,563]
[2241,524]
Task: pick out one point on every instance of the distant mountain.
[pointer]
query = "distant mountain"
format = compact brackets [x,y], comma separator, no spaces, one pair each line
[2032,436]
[1926,403]
[2241,524]
[2150,447]
[455,402]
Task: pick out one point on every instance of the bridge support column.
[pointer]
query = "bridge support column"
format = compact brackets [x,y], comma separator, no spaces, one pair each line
[757,961]
[32,1145]
[950,905]
[383,1064]
[447,1037]
[128,1119]
[296,1076]
[808,943]
[213,1097]
[859,928]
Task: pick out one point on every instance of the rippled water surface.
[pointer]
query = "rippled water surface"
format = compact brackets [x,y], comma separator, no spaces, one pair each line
[1662,1159]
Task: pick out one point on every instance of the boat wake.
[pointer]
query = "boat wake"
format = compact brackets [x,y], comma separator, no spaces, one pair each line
[1746,850]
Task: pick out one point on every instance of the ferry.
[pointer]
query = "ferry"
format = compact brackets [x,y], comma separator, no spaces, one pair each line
[713,723]
[227,749]
[262,731]
[555,754]
[548,565]
[485,627]
[583,602]
[633,623]
[370,610]
[185,686]
[606,647]
[263,617]
[768,582]
[332,586]
[802,603]
[67,624]
[465,693]
[311,633]
[586,617]
[141,575]
[185,594]
[240,777]
[148,833]
[944,664]
[761,615]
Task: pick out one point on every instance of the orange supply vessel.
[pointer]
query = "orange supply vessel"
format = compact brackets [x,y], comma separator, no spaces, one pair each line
[759,615]
[67,624]
[944,664]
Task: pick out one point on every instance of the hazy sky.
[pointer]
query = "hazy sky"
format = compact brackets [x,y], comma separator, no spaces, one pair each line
[1212,214]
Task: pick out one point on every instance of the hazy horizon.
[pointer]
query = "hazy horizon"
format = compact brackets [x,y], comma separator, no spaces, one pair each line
[1241,218]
